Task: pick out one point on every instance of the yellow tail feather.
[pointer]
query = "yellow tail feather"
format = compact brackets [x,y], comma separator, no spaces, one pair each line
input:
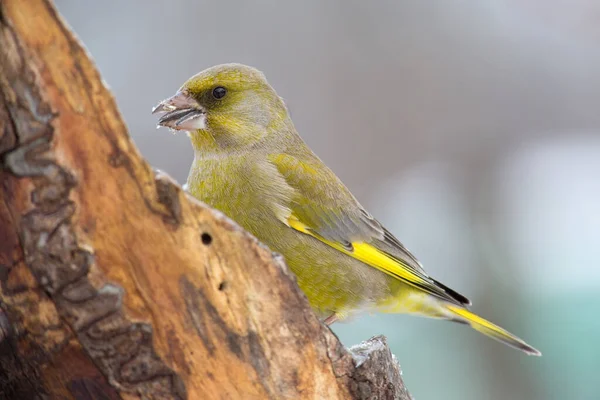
[491,330]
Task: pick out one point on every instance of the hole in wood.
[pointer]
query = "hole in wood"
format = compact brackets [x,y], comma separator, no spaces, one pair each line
[206,238]
[222,286]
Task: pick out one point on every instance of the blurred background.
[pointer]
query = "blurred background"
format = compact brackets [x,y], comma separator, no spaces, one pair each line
[470,128]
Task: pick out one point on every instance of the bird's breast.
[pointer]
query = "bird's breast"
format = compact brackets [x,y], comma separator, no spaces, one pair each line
[246,189]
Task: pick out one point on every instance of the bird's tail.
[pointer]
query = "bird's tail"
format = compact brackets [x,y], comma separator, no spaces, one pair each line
[460,314]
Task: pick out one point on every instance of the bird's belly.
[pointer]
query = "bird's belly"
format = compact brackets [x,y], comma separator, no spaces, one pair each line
[331,280]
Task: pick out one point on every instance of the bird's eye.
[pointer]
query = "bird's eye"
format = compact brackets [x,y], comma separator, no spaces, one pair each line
[219,92]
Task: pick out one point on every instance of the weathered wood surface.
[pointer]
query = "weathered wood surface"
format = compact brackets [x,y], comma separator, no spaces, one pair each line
[116,284]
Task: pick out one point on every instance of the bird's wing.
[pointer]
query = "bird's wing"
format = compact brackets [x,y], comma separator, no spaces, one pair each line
[324,208]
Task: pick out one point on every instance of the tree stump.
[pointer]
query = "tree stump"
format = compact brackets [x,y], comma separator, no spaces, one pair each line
[116,284]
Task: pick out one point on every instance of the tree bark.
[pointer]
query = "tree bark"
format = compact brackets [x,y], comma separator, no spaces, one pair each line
[116,284]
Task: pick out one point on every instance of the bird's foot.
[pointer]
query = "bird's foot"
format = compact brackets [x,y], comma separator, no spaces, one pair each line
[331,319]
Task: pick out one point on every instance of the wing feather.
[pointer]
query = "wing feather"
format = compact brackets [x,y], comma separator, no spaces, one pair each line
[337,219]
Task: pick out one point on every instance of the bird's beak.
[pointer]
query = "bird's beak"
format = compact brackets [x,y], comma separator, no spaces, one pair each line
[182,112]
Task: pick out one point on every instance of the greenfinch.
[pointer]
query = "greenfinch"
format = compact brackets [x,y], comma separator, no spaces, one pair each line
[251,164]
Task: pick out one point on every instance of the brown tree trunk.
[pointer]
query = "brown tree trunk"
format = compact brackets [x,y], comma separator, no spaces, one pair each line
[114,283]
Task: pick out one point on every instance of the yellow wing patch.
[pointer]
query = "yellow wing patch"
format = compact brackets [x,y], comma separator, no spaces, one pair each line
[374,257]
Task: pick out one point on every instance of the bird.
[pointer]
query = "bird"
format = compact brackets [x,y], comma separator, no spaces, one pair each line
[251,164]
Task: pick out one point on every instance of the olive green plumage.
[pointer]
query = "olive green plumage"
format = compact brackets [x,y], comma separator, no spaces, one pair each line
[251,164]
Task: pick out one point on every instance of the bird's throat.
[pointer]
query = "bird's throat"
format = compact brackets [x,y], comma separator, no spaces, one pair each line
[203,141]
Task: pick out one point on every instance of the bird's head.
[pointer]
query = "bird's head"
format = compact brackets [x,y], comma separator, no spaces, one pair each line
[226,106]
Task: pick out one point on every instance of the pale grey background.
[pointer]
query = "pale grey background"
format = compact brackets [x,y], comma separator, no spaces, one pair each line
[471,128]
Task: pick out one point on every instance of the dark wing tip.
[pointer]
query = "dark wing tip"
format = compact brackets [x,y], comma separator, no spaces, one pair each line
[455,295]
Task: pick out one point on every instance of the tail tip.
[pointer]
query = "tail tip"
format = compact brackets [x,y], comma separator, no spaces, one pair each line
[530,351]
[493,331]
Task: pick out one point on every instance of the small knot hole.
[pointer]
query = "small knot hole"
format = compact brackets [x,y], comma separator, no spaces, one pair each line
[206,238]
